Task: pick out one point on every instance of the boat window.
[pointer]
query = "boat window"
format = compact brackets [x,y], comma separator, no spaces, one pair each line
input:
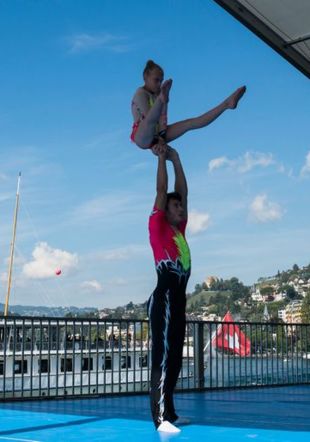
[107,363]
[66,365]
[20,367]
[43,366]
[1,368]
[87,364]
[143,362]
[125,362]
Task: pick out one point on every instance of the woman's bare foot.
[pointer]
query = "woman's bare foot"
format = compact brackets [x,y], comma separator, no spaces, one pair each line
[232,101]
[164,91]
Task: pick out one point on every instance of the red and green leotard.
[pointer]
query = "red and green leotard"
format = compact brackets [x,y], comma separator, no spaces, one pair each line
[169,247]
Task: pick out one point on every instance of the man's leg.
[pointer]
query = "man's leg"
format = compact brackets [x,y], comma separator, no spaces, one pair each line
[160,322]
[176,341]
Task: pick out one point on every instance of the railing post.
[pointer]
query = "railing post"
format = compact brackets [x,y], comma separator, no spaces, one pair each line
[198,356]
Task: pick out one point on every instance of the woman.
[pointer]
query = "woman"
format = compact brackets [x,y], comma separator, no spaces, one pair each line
[149,109]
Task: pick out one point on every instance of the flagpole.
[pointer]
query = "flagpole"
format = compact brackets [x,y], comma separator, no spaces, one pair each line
[6,306]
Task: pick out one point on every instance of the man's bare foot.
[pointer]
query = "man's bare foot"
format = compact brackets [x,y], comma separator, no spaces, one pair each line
[232,101]
[164,91]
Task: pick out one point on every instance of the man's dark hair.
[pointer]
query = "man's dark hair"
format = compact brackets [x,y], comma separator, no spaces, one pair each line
[173,196]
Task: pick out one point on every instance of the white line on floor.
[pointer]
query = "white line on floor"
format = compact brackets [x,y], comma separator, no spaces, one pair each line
[19,440]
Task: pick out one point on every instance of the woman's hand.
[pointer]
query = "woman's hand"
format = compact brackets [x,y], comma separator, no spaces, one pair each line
[160,149]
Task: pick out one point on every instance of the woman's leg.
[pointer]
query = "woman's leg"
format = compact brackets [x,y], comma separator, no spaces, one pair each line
[156,115]
[162,123]
[180,128]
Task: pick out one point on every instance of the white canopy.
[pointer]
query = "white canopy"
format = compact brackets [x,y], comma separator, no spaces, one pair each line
[283,24]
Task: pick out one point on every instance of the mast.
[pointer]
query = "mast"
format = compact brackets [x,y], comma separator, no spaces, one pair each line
[6,306]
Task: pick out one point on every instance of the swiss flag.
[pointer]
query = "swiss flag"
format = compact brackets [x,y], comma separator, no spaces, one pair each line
[230,337]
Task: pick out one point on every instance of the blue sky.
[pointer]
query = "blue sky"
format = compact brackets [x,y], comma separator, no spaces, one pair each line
[68,72]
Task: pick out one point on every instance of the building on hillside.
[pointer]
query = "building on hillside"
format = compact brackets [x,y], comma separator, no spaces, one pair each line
[282,314]
[266,315]
[256,295]
[211,317]
[280,296]
[293,312]
[103,314]
[210,280]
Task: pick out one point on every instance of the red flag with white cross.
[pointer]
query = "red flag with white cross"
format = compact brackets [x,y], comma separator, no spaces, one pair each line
[230,337]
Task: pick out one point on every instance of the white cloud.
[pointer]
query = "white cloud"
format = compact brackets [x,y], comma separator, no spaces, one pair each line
[216,163]
[111,208]
[251,160]
[198,221]
[99,208]
[118,281]
[121,253]
[306,167]
[47,260]
[92,285]
[246,162]
[87,42]
[262,210]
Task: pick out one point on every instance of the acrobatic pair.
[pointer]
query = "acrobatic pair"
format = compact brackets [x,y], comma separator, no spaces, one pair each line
[167,224]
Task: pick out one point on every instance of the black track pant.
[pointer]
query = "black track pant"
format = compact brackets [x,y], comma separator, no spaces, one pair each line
[167,318]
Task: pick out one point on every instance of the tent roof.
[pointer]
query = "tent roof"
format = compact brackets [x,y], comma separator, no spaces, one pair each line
[283,24]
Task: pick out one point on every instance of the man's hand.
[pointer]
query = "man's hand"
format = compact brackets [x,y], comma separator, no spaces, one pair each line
[171,154]
[160,148]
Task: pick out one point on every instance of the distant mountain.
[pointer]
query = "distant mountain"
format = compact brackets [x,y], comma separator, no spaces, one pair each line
[29,310]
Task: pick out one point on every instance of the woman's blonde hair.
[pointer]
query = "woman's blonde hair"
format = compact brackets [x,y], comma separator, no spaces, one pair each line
[150,66]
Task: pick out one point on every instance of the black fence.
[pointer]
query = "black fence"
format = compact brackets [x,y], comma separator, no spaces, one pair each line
[48,357]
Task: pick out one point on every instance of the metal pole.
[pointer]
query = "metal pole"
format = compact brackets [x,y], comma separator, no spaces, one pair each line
[6,306]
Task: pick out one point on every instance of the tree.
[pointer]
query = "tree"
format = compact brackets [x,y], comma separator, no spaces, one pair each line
[305,309]
[198,289]
[291,292]
[295,268]
[285,277]
[267,291]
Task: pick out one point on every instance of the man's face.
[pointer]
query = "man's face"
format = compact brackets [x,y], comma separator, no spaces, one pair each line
[174,212]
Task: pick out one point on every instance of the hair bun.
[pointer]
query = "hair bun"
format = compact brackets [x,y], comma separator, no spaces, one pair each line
[150,65]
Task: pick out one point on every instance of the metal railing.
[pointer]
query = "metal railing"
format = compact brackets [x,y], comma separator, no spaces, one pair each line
[47,357]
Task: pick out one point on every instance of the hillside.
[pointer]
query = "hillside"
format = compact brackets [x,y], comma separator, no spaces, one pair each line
[204,297]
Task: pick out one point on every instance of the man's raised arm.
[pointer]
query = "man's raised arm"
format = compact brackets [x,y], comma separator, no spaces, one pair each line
[162,179]
[180,185]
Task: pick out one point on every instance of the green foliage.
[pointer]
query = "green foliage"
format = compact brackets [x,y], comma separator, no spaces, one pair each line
[233,295]
[266,291]
[291,293]
[305,309]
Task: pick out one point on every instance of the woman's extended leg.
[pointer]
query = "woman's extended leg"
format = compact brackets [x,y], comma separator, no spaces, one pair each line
[156,115]
[178,129]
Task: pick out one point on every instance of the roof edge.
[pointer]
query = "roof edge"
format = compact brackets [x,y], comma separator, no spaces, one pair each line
[254,24]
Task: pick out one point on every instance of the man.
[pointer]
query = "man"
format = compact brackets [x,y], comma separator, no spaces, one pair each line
[166,307]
